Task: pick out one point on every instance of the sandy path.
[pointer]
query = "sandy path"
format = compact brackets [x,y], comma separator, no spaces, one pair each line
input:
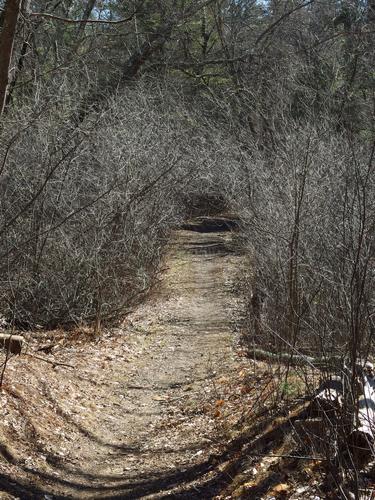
[136,417]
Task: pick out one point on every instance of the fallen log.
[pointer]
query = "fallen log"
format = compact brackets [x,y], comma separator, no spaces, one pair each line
[362,438]
[336,398]
[339,397]
[321,363]
[11,343]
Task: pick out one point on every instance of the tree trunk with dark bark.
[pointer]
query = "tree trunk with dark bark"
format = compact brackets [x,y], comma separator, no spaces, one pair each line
[11,13]
[81,28]
[371,11]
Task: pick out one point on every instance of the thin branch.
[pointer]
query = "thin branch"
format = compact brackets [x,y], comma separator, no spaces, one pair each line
[54,363]
[278,21]
[45,15]
[188,64]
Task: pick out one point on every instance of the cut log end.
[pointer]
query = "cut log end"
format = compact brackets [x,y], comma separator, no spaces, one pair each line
[11,343]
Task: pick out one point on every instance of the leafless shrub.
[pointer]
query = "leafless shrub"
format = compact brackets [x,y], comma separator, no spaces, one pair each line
[85,210]
[308,213]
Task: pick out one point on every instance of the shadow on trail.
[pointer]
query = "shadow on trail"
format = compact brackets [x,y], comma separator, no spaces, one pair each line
[118,487]
[237,454]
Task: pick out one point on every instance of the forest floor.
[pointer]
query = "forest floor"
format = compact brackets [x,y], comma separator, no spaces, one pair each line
[153,409]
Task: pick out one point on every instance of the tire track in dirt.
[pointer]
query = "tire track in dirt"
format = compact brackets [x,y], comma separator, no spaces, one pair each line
[135,419]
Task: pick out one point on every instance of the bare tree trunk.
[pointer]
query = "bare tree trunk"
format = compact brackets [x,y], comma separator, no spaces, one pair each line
[25,9]
[371,11]
[81,27]
[155,42]
[11,13]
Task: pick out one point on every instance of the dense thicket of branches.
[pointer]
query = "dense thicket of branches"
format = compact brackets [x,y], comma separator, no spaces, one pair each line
[114,112]
[117,112]
[115,115]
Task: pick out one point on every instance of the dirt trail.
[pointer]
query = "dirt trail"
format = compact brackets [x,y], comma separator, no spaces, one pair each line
[137,416]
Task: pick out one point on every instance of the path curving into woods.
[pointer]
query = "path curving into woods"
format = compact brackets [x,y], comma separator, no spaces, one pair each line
[135,418]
